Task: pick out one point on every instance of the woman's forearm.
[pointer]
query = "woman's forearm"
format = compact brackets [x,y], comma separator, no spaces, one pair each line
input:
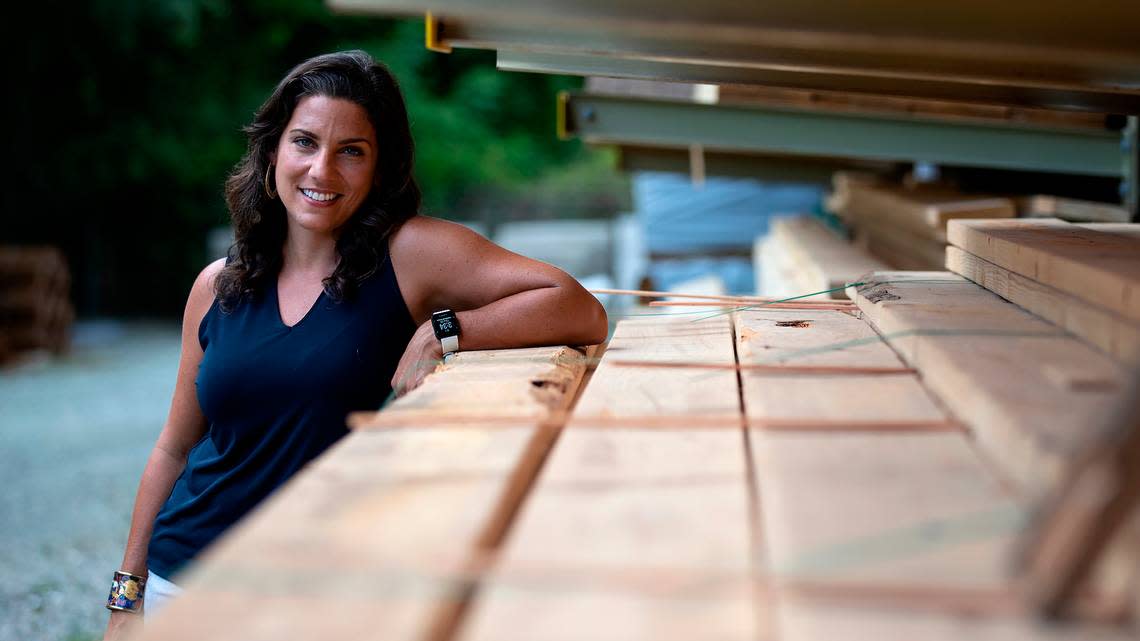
[555,315]
[544,316]
[162,470]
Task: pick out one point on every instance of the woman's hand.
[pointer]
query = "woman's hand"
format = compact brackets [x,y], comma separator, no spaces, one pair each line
[423,353]
[121,625]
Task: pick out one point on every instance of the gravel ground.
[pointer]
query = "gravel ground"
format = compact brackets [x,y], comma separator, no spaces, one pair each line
[75,433]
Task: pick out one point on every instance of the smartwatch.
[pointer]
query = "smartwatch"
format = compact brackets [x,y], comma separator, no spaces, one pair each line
[446,326]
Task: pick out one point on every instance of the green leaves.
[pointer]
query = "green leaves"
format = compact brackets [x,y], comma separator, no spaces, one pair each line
[128,115]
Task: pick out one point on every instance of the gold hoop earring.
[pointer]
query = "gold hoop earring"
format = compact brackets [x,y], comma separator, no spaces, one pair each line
[269,190]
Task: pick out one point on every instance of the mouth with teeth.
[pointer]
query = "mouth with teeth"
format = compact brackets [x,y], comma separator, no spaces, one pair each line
[320,196]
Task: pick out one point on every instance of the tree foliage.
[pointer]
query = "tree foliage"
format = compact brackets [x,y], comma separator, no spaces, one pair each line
[125,119]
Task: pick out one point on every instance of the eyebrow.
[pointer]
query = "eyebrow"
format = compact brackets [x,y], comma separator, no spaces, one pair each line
[346,141]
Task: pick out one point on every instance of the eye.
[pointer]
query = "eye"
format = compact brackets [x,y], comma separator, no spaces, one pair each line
[353,151]
[304,141]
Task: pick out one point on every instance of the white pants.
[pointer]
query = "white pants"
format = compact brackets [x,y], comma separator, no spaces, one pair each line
[159,592]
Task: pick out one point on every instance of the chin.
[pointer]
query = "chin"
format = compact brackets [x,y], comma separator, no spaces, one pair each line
[317,224]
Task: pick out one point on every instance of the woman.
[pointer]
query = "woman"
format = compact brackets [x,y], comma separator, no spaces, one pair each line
[324,301]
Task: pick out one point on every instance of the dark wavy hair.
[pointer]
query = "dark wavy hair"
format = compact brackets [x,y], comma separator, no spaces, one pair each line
[260,221]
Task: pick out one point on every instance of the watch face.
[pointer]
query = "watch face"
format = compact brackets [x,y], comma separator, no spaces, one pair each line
[445,323]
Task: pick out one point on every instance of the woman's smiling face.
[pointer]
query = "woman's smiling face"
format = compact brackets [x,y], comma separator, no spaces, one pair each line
[325,163]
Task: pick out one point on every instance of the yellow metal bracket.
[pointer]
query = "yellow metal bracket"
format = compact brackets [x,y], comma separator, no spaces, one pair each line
[433,28]
[561,117]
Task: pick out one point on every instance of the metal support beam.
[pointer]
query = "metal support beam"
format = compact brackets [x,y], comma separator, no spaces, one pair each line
[596,65]
[772,168]
[632,121]
[1040,45]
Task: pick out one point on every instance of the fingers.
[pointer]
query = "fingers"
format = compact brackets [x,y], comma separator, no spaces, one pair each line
[397,382]
[407,379]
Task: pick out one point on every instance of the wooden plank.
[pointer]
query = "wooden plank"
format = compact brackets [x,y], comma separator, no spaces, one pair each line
[923,211]
[1115,335]
[826,338]
[1025,388]
[1043,206]
[866,103]
[1088,512]
[662,605]
[623,391]
[1129,230]
[824,259]
[987,49]
[883,510]
[776,276]
[385,526]
[670,506]
[511,58]
[807,618]
[379,528]
[843,182]
[523,383]
[900,246]
[1098,267]
[893,255]
[864,508]
[807,337]
[877,535]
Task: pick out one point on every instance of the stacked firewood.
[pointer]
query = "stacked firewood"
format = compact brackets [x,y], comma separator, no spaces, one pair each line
[35,305]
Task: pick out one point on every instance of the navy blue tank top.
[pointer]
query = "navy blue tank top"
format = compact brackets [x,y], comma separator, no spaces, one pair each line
[275,397]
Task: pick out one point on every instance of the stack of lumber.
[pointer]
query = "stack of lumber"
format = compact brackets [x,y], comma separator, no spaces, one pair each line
[879,517]
[906,227]
[1026,387]
[801,256]
[844,183]
[1083,278]
[375,538]
[639,525]
[1033,396]
[35,305]
[762,474]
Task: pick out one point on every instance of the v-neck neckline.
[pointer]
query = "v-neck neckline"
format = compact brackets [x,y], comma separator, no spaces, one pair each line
[277,307]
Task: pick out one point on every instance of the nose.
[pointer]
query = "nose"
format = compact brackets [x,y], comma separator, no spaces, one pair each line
[323,167]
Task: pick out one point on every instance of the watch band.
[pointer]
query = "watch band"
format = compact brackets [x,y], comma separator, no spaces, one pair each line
[450,344]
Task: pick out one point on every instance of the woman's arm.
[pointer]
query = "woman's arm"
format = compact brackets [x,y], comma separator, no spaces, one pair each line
[184,427]
[502,299]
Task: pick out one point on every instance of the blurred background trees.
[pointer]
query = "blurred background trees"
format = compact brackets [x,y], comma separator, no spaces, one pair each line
[124,119]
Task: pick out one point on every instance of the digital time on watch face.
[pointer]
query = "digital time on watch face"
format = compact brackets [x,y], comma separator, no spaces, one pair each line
[445,323]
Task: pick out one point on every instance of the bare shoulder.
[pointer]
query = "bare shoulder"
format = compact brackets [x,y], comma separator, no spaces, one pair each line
[202,292]
[421,235]
[433,258]
[425,250]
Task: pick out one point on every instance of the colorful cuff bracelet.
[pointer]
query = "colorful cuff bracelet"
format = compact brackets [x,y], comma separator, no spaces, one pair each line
[126,592]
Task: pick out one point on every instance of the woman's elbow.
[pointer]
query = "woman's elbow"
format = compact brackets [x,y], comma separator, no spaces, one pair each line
[597,323]
[584,318]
